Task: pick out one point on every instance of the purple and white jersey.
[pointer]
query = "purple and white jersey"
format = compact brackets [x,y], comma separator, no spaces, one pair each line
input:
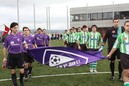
[46,39]
[14,43]
[39,39]
[30,42]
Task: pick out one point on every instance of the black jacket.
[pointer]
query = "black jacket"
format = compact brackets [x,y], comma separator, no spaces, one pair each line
[111,36]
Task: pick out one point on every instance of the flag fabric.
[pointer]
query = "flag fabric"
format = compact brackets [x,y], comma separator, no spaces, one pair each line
[63,57]
[6,30]
[5,33]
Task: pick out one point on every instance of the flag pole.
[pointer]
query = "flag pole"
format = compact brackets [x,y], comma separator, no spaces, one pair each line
[47,17]
[67,17]
[34,16]
[49,20]
[18,12]
[87,14]
[113,10]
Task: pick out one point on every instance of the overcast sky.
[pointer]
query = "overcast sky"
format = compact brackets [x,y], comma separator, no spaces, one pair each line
[58,10]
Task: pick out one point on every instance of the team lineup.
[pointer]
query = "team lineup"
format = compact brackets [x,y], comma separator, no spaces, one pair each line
[15,48]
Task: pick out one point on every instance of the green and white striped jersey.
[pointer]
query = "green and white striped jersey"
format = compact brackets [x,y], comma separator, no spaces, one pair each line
[122,42]
[94,40]
[72,37]
[77,35]
[65,37]
[83,36]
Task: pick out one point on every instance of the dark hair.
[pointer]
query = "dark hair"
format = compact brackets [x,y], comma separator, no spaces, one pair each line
[73,28]
[66,30]
[115,19]
[25,28]
[126,22]
[70,29]
[77,29]
[39,29]
[84,26]
[13,24]
[44,29]
[93,26]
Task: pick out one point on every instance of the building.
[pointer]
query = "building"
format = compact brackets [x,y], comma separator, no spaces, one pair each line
[102,16]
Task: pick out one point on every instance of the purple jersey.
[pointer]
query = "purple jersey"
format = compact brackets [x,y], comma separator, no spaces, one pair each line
[30,42]
[14,43]
[46,39]
[39,39]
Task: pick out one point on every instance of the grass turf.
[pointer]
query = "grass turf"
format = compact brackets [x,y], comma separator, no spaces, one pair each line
[76,80]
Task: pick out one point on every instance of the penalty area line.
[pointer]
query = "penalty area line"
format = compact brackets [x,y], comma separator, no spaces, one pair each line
[54,75]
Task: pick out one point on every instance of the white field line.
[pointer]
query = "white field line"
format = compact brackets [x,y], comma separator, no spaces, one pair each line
[54,75]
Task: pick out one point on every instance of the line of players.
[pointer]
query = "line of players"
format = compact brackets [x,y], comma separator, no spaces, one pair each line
[85,40]
[15,51]
[15,45]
